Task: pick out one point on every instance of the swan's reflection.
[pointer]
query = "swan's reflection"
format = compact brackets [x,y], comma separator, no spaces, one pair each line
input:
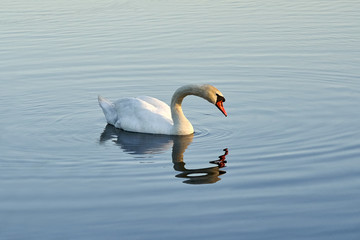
[136,143]
[139,143]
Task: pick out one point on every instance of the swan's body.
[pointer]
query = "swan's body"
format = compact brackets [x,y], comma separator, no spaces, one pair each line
[150,115]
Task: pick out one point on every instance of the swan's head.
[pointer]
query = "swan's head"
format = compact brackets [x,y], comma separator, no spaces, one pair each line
[214,96]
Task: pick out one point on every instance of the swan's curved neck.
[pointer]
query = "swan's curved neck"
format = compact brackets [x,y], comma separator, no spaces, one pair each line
[181,124]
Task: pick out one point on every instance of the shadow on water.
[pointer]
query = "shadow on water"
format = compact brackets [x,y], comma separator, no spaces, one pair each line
[140,143]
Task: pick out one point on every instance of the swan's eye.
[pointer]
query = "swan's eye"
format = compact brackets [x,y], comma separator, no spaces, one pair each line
[220,98]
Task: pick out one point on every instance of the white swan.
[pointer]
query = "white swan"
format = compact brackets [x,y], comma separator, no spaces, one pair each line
[150,115]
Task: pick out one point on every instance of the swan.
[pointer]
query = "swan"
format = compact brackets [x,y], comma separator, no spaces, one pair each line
[150,115]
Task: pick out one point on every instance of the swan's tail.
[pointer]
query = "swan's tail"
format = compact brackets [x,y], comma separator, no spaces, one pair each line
[108,109]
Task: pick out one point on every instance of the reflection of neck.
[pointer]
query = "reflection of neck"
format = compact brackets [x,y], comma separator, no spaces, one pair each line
[207,175]
[179,147]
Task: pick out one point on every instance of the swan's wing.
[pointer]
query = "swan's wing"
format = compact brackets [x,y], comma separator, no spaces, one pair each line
[137,115]
[160,107]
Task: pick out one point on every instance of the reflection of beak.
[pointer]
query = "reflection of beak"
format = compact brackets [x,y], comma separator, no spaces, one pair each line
[220,106]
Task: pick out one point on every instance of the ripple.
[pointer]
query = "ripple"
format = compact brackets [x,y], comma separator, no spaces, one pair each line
[213,133]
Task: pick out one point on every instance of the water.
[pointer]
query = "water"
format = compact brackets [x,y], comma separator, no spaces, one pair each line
[289,71]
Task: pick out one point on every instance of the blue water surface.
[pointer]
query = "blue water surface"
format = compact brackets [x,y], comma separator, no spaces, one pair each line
[289,149]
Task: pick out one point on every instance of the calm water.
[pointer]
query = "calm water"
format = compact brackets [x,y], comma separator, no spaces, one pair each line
[289,71]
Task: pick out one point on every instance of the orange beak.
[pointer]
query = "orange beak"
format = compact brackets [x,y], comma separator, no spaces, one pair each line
[220,106]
